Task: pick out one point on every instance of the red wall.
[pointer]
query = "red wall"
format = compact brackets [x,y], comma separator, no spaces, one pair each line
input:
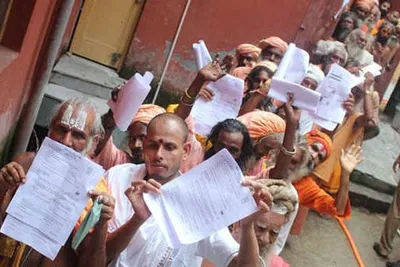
[16,76]
[223,25]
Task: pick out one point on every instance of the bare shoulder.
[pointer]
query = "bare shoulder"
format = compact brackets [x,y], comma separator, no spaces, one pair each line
[25,159]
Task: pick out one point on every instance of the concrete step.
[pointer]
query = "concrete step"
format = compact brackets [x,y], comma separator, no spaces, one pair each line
[85,76]
[372,182]
[372,200]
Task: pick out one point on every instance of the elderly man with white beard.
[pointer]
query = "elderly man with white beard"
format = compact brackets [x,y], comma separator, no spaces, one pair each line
[77,125]
[356,44]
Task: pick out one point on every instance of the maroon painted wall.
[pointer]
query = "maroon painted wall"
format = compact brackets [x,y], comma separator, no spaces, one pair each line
[222,24]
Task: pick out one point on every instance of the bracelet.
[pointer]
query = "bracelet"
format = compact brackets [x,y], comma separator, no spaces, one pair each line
[189,96]
[186,103]
[287,152]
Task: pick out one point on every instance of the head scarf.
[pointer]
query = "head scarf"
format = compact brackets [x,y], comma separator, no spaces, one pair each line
[314,72]
[241,72]
[248,49]
[318,136]
[262,123]
[146,113]
[268,64]
[274,42]
[368,4]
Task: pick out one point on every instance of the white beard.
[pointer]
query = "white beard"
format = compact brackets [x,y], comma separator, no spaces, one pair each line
[89,148]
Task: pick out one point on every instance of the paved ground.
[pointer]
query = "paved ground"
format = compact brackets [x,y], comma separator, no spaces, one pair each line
[322,242]
[380,153]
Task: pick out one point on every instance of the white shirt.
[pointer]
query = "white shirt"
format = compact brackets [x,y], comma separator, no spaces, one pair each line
[148,247]
[285,230]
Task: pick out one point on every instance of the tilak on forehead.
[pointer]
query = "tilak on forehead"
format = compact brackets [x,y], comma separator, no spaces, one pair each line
[77,120]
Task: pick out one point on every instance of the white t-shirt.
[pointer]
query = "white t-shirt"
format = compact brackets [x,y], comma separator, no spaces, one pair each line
[148,248]
[285,230]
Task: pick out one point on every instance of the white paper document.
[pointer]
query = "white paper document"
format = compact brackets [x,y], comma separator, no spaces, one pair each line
[54,195]
[130,98]
[203,57]
[228,93]
[334,89]
[304,98]
[294,65]
[202,201]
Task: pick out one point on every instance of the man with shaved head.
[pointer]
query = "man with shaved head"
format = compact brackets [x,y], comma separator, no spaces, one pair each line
[135,238]
[76,124]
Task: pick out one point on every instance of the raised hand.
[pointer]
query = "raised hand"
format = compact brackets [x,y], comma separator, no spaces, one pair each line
[292,113]
[348,104]
[369,81]
[212,72]
[229,62]
[261,196]
[108,202]
[135,196]
[351,158]
[11,176]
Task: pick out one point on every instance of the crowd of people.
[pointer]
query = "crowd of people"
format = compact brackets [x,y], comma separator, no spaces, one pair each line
[290,163]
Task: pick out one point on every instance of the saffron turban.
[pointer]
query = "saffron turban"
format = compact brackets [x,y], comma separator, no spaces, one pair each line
[274,42]
[241,72]
[320,137]
[146,113]
[368,4]
[314,72]
[268,64]
[262,123]
[248,49]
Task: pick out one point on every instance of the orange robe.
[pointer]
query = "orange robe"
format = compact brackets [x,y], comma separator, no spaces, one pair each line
[111,155]
[314,197]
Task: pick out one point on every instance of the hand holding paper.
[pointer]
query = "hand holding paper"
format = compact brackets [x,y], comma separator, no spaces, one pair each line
[130,98]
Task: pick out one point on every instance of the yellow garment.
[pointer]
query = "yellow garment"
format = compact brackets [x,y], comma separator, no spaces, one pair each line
[329,171]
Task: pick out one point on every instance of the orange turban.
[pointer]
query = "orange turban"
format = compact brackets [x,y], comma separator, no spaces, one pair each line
[318,136]
[241,72]
[248,49]
[368,4]
[268,64]
[146,113]
[262,123]
[274,42]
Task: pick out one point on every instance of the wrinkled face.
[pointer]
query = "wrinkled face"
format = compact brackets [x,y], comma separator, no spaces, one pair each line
[233,142]
[362,12]
[384,7]
[318,152]
[393,17]
[338,58]
[136,135]
[309,83]
[164,148]
[385,32]
[267,144]
[273,54]
[300,165]
[267,229]
[72,128]
[347,23]
[261,78]
[373,17]
[362,40]
[246,60]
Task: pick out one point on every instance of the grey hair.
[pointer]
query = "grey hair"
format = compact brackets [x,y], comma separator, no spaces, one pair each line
[352,37]
[326,48]
[85,103]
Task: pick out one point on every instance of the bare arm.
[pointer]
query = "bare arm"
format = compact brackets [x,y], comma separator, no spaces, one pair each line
[255,99]
[211,72]
[109,125]
[349,160]
[283,161]
[367,119]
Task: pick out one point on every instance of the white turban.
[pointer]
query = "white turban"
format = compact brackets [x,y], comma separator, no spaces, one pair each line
[314,72]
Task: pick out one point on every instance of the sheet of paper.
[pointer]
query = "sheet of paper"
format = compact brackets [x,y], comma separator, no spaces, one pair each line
[130,98]
[374,69]
[202,201]
[228,92]
[293,65]
[203,57]
[56,190]
[24,233]
[326,124]
[305,98]
[334,89]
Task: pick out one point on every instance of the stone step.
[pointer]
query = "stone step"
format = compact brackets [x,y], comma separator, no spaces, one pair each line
[372,182]
[372,200]
[85,76]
